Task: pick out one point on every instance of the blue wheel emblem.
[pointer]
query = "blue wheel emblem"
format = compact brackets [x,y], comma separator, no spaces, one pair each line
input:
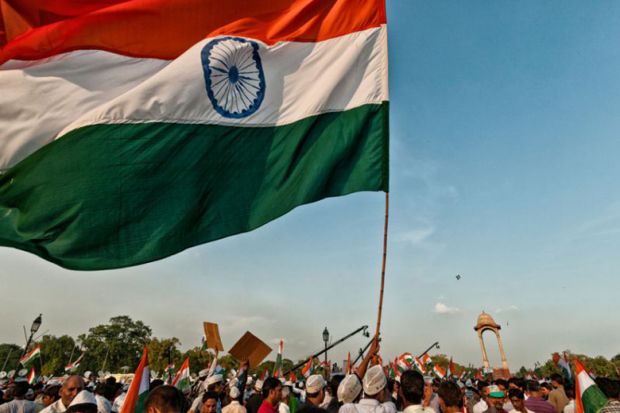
[234,76]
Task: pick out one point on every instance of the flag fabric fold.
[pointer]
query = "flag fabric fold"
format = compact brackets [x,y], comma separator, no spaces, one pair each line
[588,397]
[182,379]
[140,129]
[31,356]
[139,388]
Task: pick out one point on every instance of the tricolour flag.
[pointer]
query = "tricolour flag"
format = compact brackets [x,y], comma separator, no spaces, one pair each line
[588,397]
[133,130]
[451,369]
[31,356]
[139,388]
[403,363]
[182,379]
[277,367]
[264,375]
[74,364]
[562,362]
[440,372]
[308,368]
[419,365]
[426,359]
[31,376]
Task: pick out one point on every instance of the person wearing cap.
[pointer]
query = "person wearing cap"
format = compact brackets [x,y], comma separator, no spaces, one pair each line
[534,401]
[349,390]
[234,406]
[272,394]
[255,400]
[415,392]
[83,402]
[376,397]
[496,400]
[19,404]
[212,384]
[315,392]
[68,391]
[482,405]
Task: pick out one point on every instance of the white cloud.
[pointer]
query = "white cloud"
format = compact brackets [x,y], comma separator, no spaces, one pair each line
[415,236]
[441,308]
[507,309]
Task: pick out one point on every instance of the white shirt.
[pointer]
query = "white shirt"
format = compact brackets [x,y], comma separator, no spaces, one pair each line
[103,404]
[56,407]
[282,408]
[18,406]
[570,407]
[480,407]
[368,406]
[418,408]
[234,407]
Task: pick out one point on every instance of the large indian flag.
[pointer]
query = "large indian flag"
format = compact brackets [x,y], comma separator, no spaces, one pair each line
[589,398]
[131,130]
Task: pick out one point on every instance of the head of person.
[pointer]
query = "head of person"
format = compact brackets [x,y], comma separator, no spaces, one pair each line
[215,383]
[450,396]
[609,387]
[570,392]
[557,380]
[375,383]
[272,391]
[155,384]
[496,397]
[502,384]
[517,398]
[50,395]
[315,389]
[334,383]
[234,394]
[483,389]
[83,402]
[70,389]
[165,399]
[532,388]
[19,389]
[545,388]
[350,389]
[412,387]
[209,402]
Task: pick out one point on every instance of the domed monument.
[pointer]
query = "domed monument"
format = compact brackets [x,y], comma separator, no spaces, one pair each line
[486,323]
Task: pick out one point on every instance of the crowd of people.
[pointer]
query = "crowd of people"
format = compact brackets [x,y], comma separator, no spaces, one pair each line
[366,390]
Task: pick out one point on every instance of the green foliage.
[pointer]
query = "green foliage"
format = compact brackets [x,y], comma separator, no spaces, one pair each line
[123,341]
[56,352]
[161,351]
[13,352]
[198,359]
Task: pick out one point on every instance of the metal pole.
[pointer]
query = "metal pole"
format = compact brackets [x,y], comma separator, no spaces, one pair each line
[362,351]
[6,360]
[436,343]
[298,365]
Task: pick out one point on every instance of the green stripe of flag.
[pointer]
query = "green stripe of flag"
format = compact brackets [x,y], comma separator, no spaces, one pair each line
[110,196]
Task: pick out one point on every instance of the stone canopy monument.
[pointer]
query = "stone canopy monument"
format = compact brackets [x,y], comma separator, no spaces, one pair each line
[486,323]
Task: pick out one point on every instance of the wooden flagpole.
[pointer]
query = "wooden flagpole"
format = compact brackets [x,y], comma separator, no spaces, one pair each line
[385,233]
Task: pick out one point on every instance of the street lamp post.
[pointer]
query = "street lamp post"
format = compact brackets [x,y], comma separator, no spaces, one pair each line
[33,329]
[325,340]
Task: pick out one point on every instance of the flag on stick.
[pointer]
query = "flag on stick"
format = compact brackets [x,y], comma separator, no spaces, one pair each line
[451,369]
[31,356]
[426,359]
[277,367]
[31,376]
[419,365]
[588,396]
[182,379]
[74,364]
[308,368]
[441,373]
[562,363]
[139,388]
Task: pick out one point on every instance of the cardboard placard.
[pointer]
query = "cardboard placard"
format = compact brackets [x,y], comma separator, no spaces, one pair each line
[251,348]
[212,333]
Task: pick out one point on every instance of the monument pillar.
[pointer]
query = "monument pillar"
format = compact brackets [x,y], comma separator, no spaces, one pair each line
[486,323]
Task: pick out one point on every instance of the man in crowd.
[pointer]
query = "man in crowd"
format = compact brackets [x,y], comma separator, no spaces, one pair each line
[534,401]
[517,399]
[19,404]
[611,389]
[272,393]
[209,402]
[376,397]
[557,396]
[234,406]
[69,389]
[495,399]
[414,392]
[315,392]
[482,405]
[450,397]
[256,399]
[165,399]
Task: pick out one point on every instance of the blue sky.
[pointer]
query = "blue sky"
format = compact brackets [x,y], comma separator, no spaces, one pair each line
[504,146]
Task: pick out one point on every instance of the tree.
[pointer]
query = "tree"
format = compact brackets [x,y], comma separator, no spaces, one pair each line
[122,341]
[10,353]
[198,359]
[55,353]
[162,351]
